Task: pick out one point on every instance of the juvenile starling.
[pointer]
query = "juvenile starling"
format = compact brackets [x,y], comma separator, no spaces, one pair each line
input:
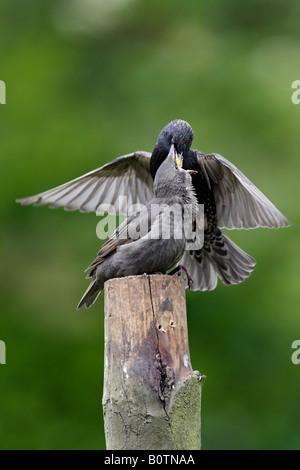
[230,201]
[153,239]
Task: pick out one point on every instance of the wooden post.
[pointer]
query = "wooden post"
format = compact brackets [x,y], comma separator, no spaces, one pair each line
[151,397]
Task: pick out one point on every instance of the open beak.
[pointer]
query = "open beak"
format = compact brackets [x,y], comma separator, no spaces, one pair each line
[177,158]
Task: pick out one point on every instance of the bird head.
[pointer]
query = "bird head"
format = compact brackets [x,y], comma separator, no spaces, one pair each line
[178,133]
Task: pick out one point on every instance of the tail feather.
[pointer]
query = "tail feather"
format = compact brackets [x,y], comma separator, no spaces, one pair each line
[91,294]
[236,266]
[203,274]
[221,258]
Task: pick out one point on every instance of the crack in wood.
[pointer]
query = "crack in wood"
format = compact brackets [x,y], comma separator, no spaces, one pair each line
[165,374]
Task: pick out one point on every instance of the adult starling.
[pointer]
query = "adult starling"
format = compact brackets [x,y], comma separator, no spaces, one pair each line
[230,201]
[154,238]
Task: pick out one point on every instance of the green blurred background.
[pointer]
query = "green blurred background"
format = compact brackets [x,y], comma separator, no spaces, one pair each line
[88,81]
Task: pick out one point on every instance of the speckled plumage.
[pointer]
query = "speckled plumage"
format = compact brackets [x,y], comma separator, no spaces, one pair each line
[219,257]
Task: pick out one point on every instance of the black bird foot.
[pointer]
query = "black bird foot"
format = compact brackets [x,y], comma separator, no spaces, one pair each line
[178,271]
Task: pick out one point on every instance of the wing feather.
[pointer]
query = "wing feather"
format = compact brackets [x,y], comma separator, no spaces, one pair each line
[240,204]
[128,175]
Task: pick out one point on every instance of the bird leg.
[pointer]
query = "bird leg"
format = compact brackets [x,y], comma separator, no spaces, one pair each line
[178,271]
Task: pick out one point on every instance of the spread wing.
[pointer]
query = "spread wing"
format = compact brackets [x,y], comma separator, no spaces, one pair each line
[240,204]
[128,176]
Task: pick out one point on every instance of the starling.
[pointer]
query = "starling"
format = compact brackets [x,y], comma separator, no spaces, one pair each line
[230,201]
[153,239]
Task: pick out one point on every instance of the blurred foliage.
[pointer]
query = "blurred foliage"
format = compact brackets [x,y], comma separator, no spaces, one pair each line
[88,81]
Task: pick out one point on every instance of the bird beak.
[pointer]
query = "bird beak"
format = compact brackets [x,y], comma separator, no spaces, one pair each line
[177,158]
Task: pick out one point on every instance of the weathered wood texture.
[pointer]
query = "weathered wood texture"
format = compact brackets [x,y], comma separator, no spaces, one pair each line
[151,397]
